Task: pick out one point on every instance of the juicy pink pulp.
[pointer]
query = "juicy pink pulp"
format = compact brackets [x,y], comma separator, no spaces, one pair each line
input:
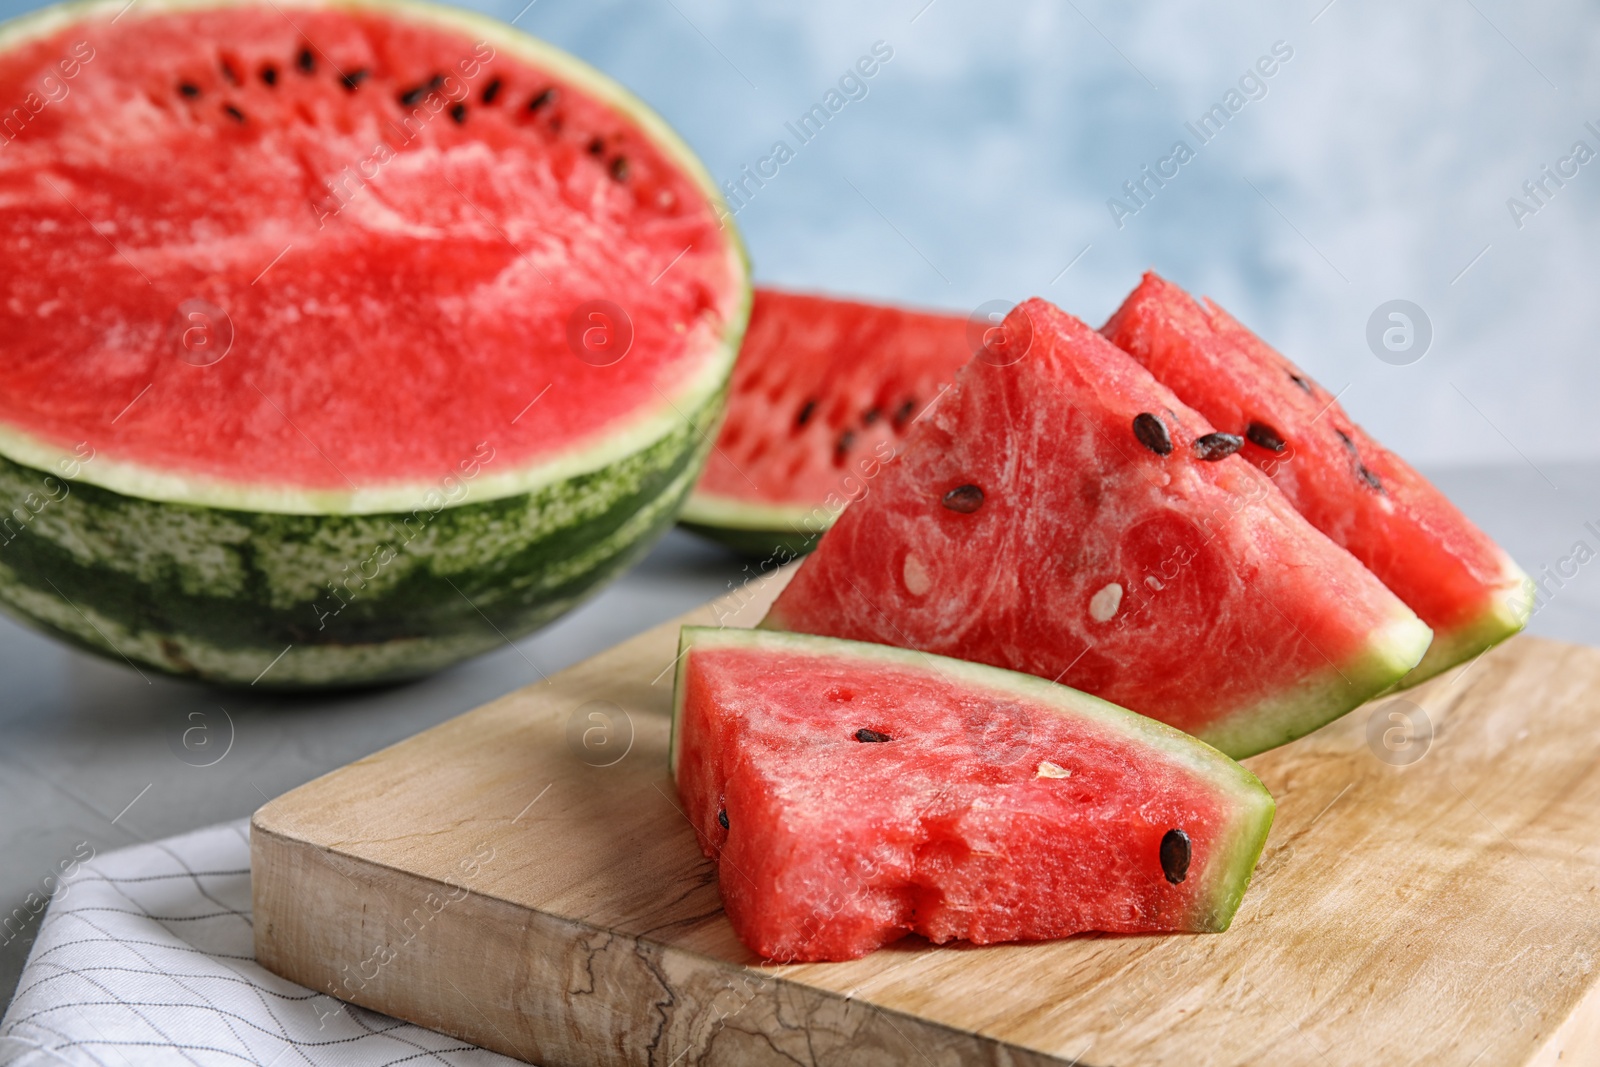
[1092,561]
[398,276]
[824,392]
[835,846]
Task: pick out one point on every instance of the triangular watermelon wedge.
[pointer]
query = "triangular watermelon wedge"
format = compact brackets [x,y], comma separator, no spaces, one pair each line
[1054,515]
[852,793]
[1349,486]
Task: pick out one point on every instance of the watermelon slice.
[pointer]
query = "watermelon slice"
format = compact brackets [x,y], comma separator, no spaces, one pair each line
[1062,513]
[851,793]
[342,340]
[823,395]
[1366,498]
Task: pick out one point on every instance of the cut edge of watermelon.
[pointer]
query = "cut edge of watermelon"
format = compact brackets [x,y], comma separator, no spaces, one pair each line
[708,509]
[1391,651]
[766,530]
[596,452]
[1506,616]
[1254,805]
[601,448]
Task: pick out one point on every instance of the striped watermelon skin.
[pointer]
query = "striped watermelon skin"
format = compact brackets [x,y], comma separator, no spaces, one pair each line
[287,600]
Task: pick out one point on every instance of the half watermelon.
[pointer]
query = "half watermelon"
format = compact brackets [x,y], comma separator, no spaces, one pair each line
[851,793]
[823,395]
[1062,513]
[342,340]
[1366,498]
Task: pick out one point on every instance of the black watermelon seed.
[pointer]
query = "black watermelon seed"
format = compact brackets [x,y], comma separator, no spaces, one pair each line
[1152,433]
[1301,382]
[1215,446]
[596,146]
[619,168]
[491,92]
[842,446]
[269,74]
[1371,479]
[233,113]
[353,79]
[306,61]
[229,73]
[418,93]
[870,416]
[189,89]
[1175,855]
[459,113]
[722,817]
[808,409]
[1265,436]
[867,735]
[964,499]
[903,413]
[543,99]
[1350,446]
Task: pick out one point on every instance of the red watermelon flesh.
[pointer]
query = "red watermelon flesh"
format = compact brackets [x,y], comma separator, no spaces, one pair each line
[395,213]
[824,393]
[852,793]
[1027,526]
[1349,486]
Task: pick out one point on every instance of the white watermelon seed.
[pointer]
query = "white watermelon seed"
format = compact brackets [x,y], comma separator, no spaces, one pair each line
[1052,770]
[1104,604]
[915,576]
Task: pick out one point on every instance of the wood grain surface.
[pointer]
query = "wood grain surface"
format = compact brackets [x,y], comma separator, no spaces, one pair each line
[521,877]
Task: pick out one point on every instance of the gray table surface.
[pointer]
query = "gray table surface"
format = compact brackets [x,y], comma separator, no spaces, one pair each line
[87,746]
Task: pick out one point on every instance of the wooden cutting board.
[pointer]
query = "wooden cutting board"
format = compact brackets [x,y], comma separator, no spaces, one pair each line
[521,877]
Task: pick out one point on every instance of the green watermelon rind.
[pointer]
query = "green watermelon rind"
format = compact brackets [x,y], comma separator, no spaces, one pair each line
[1252,806]
[220,594]
[226,581]
[758,530]
[1391,651]
[775,545]
[777,534]
[1505,616]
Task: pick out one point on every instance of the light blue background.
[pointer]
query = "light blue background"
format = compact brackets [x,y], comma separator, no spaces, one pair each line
[979,165]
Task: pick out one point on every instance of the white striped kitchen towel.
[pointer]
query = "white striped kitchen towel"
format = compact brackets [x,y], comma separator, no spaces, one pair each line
[145,957]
